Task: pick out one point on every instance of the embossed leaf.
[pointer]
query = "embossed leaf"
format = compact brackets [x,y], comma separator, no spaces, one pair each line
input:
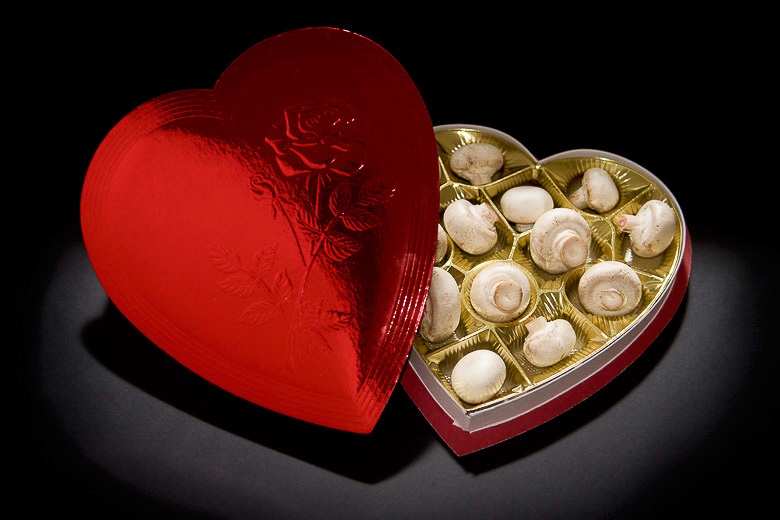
[241,285]
[335,320]
[264,260]
[312,341]
[309,312]
[282,287]
[359,219]
[309,224]
[374,194]
[224,259]
[340,198]
[339,246]
[257,313]
[310,330]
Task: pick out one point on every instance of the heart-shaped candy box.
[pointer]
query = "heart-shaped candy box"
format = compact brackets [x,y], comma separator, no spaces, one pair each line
[273,234]
[276,236]
[604,345]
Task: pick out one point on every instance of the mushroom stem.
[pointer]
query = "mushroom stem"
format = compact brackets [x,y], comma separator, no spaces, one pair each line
[507,295]
[535,325]
[628,222]
[573,249]
[484,211]
[500,292]
[578,199]
[481,178]
[560,240]
[611,299]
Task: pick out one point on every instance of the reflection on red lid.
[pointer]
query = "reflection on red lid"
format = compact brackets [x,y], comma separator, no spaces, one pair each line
[275,234]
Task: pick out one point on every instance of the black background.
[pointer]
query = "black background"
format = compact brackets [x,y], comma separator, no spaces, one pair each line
[106,423]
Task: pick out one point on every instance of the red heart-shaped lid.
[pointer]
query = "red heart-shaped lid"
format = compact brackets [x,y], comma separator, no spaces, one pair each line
[276,233]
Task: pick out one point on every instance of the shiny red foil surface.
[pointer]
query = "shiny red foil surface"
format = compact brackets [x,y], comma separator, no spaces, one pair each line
[275,234]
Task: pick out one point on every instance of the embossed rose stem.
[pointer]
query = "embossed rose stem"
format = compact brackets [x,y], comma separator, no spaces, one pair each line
[317,198]
[302,287]
[280,206]
[314,253]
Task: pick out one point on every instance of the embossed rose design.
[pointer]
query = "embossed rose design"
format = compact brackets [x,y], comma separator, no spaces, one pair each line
[320,140]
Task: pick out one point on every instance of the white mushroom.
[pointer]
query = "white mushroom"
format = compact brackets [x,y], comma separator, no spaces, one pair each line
[442,308]
[478,376]
[548,341]
[651,229]
[598,191]
[441,245]
[560,240]
[471,226]
[476,162]
[500,292]
[523,205]
[610,289]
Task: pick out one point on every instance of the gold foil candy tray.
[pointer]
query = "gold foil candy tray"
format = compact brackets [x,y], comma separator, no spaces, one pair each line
[553,295]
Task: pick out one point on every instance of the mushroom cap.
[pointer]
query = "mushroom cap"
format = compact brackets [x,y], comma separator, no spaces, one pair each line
[610,289]
[560,240]
[500,292]
[478,376]
[651,230]
[471,226]
[600,190]
[441,244]
[441,314]
[548,342]
[476,162]
[525,204]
